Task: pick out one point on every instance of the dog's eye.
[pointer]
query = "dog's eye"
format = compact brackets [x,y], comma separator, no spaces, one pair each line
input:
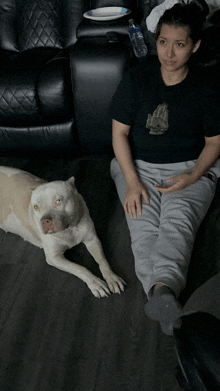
[59,201]
[36,207]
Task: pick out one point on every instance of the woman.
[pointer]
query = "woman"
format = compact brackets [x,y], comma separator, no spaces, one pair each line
[166,139]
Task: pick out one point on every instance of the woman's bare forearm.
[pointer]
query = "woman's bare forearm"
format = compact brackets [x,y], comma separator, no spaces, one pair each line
[208,157]
[205,161]
[122,150]
[136,191]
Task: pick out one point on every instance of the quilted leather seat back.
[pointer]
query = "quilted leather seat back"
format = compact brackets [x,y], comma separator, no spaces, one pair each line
[28,24]
[40,24]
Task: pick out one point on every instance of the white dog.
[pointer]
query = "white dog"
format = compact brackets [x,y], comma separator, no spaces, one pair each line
[54,216]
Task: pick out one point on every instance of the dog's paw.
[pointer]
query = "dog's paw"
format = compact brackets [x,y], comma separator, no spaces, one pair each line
[115,283]
[99,288]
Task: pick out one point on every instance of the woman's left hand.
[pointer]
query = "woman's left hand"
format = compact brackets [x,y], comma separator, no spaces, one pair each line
[179,182]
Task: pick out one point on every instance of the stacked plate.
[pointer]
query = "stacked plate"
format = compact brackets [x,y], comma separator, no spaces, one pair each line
[107,13]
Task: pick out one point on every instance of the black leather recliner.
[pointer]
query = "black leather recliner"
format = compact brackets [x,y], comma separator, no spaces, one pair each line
[36,101]
[36,105]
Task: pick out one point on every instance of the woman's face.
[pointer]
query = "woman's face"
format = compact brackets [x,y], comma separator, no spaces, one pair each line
[174,47]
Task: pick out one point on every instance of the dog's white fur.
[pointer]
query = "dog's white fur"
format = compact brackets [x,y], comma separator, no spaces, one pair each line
[54,216]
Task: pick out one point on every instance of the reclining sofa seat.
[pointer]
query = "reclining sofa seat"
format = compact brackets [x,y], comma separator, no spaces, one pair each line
[36,101]
[36,106]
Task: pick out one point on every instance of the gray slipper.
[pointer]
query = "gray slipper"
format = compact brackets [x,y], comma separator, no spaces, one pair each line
[163,307]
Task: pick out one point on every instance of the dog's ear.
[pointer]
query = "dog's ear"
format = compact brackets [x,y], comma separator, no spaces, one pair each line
[32,188]
[36,183]
[71,180]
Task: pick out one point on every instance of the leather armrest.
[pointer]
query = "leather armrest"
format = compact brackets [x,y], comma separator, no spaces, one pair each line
[97,66]
[92,28]
[55,90]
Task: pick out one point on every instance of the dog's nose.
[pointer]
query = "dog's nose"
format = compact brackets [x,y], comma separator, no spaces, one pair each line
[48,226]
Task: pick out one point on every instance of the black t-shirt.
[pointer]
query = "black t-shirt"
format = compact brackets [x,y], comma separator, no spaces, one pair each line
[168,123]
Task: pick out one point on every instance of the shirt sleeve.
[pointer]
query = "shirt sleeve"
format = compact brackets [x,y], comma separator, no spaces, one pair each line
[123,103]
[211,124]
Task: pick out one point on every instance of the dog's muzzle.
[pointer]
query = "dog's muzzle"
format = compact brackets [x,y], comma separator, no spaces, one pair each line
[50,226]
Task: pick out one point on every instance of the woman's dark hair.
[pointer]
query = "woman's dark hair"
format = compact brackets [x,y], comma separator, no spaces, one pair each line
[191,14]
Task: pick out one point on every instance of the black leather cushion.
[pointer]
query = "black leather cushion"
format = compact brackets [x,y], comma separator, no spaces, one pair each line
[22,99]
[48,141]
[18,104]
[39,23]
[34,91]
[8,39]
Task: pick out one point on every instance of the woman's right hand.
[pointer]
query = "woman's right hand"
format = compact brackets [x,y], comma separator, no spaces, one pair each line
[135,189]
[133,201]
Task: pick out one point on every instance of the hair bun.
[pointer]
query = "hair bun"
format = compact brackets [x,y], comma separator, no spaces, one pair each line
[185,13]
[200,7]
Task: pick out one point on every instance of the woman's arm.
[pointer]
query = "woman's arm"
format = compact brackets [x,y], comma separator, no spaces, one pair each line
[207,158]
[135,189]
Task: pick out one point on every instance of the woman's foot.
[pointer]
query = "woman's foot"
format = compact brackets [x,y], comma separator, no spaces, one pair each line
[163,307]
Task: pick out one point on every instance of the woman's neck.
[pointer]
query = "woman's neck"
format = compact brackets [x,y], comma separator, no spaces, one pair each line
[172,78]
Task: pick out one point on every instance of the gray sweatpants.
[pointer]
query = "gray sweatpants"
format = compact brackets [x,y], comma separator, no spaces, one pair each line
[162,237]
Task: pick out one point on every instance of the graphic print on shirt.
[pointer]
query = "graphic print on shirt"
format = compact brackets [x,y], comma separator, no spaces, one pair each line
[158,121]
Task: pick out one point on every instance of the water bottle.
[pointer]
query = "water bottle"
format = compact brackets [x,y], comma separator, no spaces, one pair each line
[137,40]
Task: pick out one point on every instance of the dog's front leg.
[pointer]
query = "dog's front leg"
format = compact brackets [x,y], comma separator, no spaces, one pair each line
[115,283]
[97,286]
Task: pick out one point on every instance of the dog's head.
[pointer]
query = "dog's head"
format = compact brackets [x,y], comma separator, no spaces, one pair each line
[55,206]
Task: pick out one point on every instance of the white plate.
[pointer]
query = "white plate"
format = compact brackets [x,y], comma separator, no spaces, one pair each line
[107,13]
